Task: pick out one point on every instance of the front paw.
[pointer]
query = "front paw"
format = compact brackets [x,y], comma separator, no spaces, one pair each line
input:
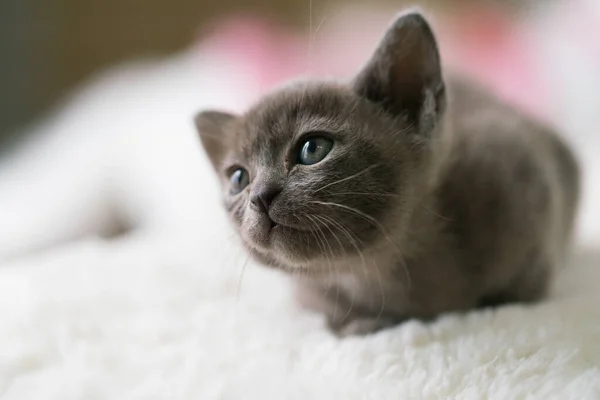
[361,326]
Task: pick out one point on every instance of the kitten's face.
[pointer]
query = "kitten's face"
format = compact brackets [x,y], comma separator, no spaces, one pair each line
[317,171]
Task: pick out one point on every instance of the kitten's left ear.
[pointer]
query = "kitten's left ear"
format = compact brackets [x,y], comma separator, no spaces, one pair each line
[211,126]
[404,75]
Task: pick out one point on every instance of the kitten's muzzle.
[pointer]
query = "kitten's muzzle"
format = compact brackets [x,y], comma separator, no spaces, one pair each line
[261,201]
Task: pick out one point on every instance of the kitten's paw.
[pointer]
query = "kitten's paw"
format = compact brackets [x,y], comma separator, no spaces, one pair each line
[361,326]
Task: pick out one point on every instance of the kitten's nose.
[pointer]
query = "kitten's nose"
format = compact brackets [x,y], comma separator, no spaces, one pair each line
[262,199]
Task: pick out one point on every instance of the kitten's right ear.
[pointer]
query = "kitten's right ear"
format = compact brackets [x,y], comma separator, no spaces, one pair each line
[211,126]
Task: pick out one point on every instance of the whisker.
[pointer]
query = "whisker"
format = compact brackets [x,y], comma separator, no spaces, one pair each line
[326,241]
[378,274]
[371,194]
[353,210]
[378,226]
[436,214]
[375,194]
[310,34]
[239,285]
[306,237]
[317,235]
[324,221]
[319,28]
[349,235]
[332,265]
[364,171]
[232,257]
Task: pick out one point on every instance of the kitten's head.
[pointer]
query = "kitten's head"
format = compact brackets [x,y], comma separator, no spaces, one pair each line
[319,170]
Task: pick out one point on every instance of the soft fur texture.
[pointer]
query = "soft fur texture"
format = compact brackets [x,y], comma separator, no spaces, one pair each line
[434,196]
[171,318]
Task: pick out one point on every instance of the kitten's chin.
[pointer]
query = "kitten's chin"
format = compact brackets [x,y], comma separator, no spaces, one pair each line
[279,246]
[267,235]
[275,239]
[285,262]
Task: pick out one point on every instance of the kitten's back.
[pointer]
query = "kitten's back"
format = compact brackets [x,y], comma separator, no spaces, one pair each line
[512,182]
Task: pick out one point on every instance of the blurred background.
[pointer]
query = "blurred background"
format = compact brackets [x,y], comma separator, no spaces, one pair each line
[93,80]
[48,47]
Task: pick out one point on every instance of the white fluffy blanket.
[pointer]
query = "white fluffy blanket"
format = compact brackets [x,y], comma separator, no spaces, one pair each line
[149,318]
[170,312]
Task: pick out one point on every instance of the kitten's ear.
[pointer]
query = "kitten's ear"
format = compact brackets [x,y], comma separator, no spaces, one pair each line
[211,126]
[404,74]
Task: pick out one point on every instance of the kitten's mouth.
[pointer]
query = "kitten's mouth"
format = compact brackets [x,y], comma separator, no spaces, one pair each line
[278,231]
[277,228]
[269,232]
[273,225]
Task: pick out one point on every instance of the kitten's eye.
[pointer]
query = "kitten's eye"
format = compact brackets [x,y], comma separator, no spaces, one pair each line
[239,179]
[314,150]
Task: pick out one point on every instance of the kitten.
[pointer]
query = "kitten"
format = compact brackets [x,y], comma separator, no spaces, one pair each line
[398,195]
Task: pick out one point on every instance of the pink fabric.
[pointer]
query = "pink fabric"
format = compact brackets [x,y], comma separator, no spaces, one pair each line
[269,52]
[582,25]
[480,42]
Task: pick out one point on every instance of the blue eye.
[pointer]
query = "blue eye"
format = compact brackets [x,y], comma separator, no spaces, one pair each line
[314,150]
[239,179]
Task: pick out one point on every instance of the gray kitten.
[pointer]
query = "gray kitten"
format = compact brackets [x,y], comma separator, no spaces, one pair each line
[397,195]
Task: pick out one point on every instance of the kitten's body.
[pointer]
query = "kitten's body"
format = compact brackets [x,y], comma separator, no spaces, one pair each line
[434,197]
[492,227]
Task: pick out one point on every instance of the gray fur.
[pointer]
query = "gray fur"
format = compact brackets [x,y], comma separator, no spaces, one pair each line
[435,198]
